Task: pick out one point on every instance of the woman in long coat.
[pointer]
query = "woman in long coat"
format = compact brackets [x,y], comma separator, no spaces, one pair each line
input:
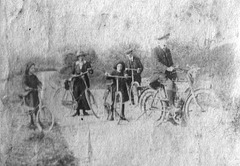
[119,69]
[31,84]
[79,67]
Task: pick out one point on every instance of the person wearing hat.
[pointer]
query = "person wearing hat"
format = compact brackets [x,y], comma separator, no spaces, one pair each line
[163,63]
[133,62]
[78,67]
[119,69]
[31,85]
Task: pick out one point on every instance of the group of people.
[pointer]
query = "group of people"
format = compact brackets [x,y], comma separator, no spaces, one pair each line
[163,74]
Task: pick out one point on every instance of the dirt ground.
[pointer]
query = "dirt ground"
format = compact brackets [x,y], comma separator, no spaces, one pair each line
[92,141]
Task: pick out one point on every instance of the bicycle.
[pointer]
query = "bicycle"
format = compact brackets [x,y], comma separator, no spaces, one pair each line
[69,101]
[118,99]
[44,116]
[134,89]
[196,101]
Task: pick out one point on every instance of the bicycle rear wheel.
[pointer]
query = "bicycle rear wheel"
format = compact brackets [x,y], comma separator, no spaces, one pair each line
[19,118]
[92,103]
[64,103]
[45,119]
[143,96]
[118,106]
[154,108]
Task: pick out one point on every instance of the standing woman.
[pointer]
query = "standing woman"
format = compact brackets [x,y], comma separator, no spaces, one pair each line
[81,66]
[31,86]
[119,69]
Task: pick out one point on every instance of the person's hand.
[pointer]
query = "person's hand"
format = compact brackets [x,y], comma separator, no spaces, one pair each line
[126,75]
[170,68]
[138,70]
[107,74]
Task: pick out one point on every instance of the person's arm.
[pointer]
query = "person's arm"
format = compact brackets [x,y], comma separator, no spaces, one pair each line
[25,84]
[73,68]
[157,61]
[140,66]
[89,68]
[39,83]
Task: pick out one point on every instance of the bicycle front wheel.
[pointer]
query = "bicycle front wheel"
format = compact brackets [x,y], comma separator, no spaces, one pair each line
[118,106]
[134,93]
[207,113]
[92,103]
[45,119]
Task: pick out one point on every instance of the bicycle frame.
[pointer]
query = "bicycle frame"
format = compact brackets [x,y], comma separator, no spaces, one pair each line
[117,90]
[190,74]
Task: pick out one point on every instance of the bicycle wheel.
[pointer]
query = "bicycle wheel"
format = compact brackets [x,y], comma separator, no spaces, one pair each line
[143,96]
[45,119]
[92,102]
[118,106]
[154,108]
[207,114]
[19,118]
[134,93]
[64,103]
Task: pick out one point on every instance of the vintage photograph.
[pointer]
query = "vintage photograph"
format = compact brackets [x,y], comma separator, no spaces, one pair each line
[119,83]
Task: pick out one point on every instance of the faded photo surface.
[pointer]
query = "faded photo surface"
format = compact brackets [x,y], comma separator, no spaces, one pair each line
[119,83]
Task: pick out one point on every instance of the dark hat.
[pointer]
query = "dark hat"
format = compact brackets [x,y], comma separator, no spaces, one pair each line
[164,37]
[129,51]
[81,53]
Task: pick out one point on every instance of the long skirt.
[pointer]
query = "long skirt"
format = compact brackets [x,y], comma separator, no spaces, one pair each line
[79,95]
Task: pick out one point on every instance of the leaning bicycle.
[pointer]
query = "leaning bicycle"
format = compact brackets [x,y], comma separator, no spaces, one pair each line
[44,117]
[65,99]
[197,105]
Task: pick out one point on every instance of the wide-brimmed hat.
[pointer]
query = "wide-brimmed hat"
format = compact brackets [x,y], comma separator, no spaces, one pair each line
[129,51]
[163,37]
[81,53]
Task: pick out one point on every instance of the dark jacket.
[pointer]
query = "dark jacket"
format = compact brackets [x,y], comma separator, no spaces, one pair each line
[31,81]
[122,83]
[135,64]
[162,59]
[77,70]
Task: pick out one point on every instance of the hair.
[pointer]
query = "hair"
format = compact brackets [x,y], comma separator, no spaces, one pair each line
[28,66]
[120,62]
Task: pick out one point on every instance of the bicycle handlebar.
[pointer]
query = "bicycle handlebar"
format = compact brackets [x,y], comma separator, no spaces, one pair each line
[118,76]
[132,69]
[79,75]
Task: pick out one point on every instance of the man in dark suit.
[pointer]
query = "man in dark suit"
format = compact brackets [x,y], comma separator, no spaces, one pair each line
[163,66]
[133,62]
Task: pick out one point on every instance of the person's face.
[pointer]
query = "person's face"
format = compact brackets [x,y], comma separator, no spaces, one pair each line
[162,44]
[129,56]
[81,58]
[119,67]
[32,69]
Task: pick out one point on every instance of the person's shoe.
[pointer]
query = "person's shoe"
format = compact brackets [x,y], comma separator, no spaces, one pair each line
[85,113]
[123,118]
[111,119]
[75,114]
[31,126]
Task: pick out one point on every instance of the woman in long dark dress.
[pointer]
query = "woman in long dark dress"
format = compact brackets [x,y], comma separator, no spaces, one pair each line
[119,69]
[79,67]
[31,84]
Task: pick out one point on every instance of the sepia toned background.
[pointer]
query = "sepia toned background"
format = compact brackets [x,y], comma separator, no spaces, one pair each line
[203,32]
